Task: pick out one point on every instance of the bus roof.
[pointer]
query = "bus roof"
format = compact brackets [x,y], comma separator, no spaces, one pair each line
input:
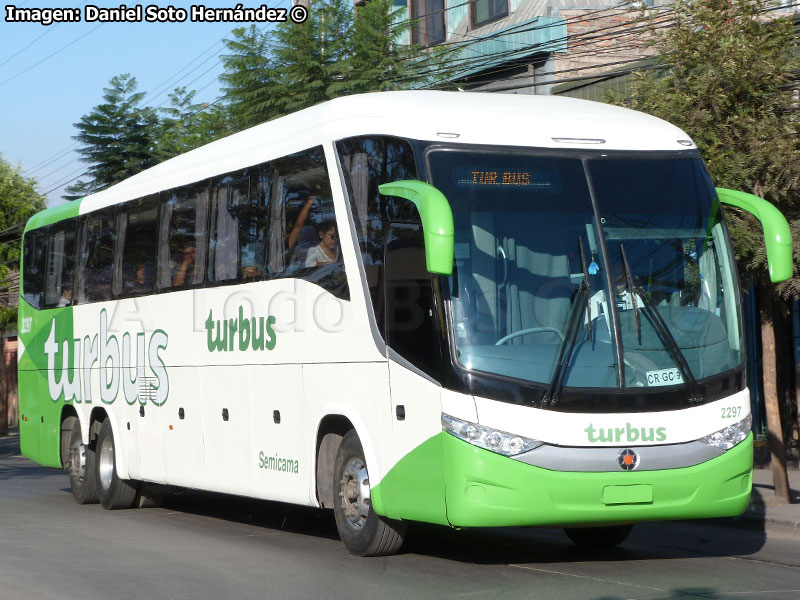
[454,117]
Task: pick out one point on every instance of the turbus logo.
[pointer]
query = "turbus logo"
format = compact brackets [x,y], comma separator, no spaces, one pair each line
[109,355]
[255,333]
[626,434]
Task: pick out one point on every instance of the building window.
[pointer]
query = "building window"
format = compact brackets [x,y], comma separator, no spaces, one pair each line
[427,18]
[486,11]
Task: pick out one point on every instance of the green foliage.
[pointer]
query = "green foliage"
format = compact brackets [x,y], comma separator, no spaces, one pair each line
[334,53]
[118,138]
[187,125]
[19,200]
[376,61]
[726,74]
[267,74]
[248,78]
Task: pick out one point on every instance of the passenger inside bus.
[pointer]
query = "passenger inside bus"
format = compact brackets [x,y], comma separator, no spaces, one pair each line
[181,269]
[326,251]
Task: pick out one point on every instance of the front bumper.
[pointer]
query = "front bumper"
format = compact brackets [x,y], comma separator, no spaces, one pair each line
[484,489]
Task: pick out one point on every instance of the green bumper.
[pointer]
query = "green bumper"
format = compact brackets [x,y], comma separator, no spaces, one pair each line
[484,489]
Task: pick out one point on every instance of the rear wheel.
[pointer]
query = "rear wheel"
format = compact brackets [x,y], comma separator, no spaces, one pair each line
[113,492]
[363,532]
[599,537]
[80,465]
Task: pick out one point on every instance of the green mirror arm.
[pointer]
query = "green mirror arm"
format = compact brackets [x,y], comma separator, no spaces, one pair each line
[777,236]
[437,221]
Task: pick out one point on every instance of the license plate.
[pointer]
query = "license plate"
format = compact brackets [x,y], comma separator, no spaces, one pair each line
[664,377]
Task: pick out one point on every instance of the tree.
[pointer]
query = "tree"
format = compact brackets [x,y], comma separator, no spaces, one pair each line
[376,60]
[310,56]
[187,125]
[726,74]
[118,137]
[333,53]
[19,200]
[248,78]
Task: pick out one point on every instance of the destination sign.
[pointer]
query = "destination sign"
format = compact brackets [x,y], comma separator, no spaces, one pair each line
[498,177]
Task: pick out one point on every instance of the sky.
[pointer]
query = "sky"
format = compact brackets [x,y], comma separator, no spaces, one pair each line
[50,76]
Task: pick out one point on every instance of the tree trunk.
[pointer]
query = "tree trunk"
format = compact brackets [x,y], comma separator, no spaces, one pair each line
[3,389]
[769,374]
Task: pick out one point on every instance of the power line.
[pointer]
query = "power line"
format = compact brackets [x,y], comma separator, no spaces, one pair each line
[463,65]
[18,52]
[471,62]
[165,84]
[49,56]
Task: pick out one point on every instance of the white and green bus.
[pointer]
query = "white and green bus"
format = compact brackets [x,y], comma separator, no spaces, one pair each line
[465,309]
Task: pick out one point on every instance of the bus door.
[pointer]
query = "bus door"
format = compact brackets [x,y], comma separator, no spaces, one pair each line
[414,360]
[32,365]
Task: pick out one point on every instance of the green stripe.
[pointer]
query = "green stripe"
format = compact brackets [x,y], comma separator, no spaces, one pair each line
[53,215]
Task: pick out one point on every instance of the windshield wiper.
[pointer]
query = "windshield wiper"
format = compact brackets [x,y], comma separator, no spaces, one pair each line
[579,305]
[629,283]
[588,289]
[662,331]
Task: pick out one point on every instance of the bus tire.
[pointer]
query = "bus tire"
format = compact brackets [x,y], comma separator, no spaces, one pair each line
[598,537]
[81,468]
[113,492]
[363,532]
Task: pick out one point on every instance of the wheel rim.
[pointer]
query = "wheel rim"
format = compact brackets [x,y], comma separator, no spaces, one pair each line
[77,460]
[106,462]
[354,492]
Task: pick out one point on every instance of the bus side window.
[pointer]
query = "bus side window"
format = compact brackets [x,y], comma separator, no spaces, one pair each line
[34,257]
[368,162]
[410,326]
[183,239]
[238,231]
[60,265]
[96,259]
[137,236]
[303,239]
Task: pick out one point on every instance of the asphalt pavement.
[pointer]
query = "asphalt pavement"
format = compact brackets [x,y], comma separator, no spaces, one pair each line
[764,512]
[202,546]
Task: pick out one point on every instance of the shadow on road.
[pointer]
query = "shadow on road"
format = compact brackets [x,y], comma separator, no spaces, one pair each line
[661,540]
[259,513]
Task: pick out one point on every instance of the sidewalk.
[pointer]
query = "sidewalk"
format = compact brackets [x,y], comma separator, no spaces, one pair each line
[764,508]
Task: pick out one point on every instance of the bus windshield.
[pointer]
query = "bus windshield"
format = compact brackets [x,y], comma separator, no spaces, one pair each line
[545,280]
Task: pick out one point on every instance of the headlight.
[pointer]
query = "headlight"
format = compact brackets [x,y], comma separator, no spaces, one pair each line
[730,436]
[501,442]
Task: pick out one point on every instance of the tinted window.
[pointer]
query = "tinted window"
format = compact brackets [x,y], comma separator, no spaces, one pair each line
[409,325]
[183,239]
[303,239]
[33,261]
[59,277]
[237,247]
[98,239]
[428,27]
[368,162]
[137,227]
[485,11]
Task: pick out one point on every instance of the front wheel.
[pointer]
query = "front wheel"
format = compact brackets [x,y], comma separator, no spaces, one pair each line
[113,492]
[363,532]
[599,537]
